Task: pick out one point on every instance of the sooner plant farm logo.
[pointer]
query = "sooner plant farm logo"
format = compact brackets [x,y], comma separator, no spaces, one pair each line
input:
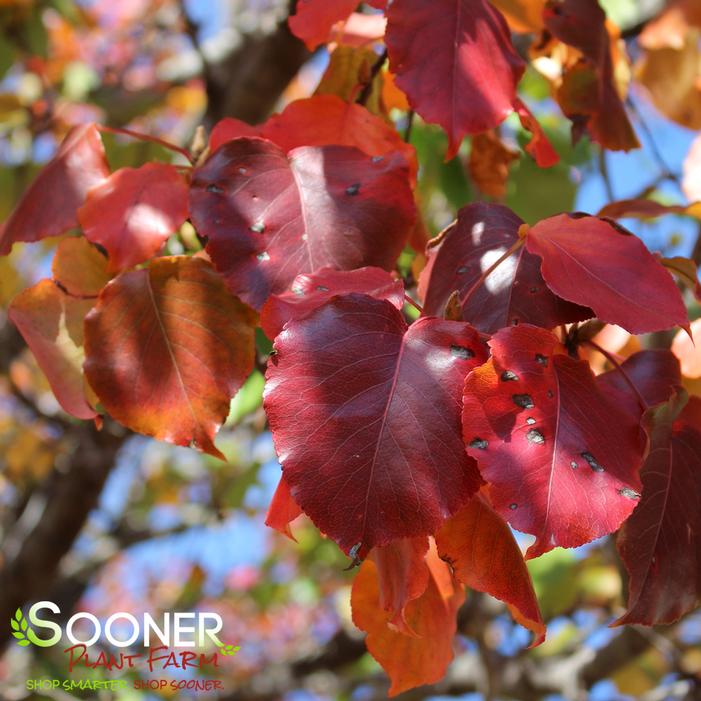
[166,642]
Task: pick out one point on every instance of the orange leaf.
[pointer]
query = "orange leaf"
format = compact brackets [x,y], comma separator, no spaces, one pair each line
[51,323]
[79,268]
[484,555]
[283,509]
[403,576]
[167,347]
[409,661]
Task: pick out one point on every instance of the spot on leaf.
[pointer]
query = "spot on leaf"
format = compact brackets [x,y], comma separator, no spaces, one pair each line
[592,462]
[461,352]
[535,436]
[523,400]
[509,376]
[353,189]
[479,443]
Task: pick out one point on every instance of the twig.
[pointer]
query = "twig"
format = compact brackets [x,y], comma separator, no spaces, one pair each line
[364,95]
[515,247]
[146,137]
[409,126]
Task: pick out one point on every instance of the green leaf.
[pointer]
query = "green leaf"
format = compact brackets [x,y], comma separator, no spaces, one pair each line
[19,635]
[23,643]
[14,624]
[23,625]
[19,615]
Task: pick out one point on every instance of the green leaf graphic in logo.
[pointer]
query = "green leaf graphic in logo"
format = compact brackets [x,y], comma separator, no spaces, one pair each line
[227,650]
[23,632]
[19,628]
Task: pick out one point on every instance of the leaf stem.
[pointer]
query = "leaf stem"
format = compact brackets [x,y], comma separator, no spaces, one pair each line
[413,303]
[643,404]
[146,137]
[509,252]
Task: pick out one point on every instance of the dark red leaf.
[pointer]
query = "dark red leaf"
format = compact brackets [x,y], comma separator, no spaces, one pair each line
[313,20]
[270,216]
[560,458]
[660,543]
[588,95]
[484,555]
[283,509]
[309,291]
[365,415]
[455,61]
[166,348]
[48,207]
[655,375]
[409,660]
[134,211]
[515,292]
[592,262]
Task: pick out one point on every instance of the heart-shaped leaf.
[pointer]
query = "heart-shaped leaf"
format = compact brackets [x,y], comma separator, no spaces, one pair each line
[365,415]
[561,459]
[514,292]
[270,216]
[166,348]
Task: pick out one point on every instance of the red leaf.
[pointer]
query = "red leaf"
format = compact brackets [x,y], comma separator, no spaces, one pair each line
[270,216]
[134,211]
[323,120]
[589,93]
[228,129]
[403,576]
[283,509]
[409,660]
[539,146]
[660,543]
[48,207]
[166,348]
[313,20]
[455,61]
[365,415]
[560,458]
[595,263]
[655,375]
[484,555]
[309,291]
[51,323]
[514,292]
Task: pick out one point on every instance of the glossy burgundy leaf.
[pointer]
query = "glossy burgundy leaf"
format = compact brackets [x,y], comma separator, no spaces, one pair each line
[309,291]
[365,415]
[48,207]
[283,509]
[270,216]
[514,293]
[313,19]
[655,375]
[166,348]
[560,458]
[595,263]
[588,95]
[455,61]
[134,211]
[660,543]
[539,146]
[403,576]
[323,120]
[51,323]
[484,555]
[409,660]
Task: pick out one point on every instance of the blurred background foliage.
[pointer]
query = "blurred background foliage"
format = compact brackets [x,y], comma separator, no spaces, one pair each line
[169,529]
